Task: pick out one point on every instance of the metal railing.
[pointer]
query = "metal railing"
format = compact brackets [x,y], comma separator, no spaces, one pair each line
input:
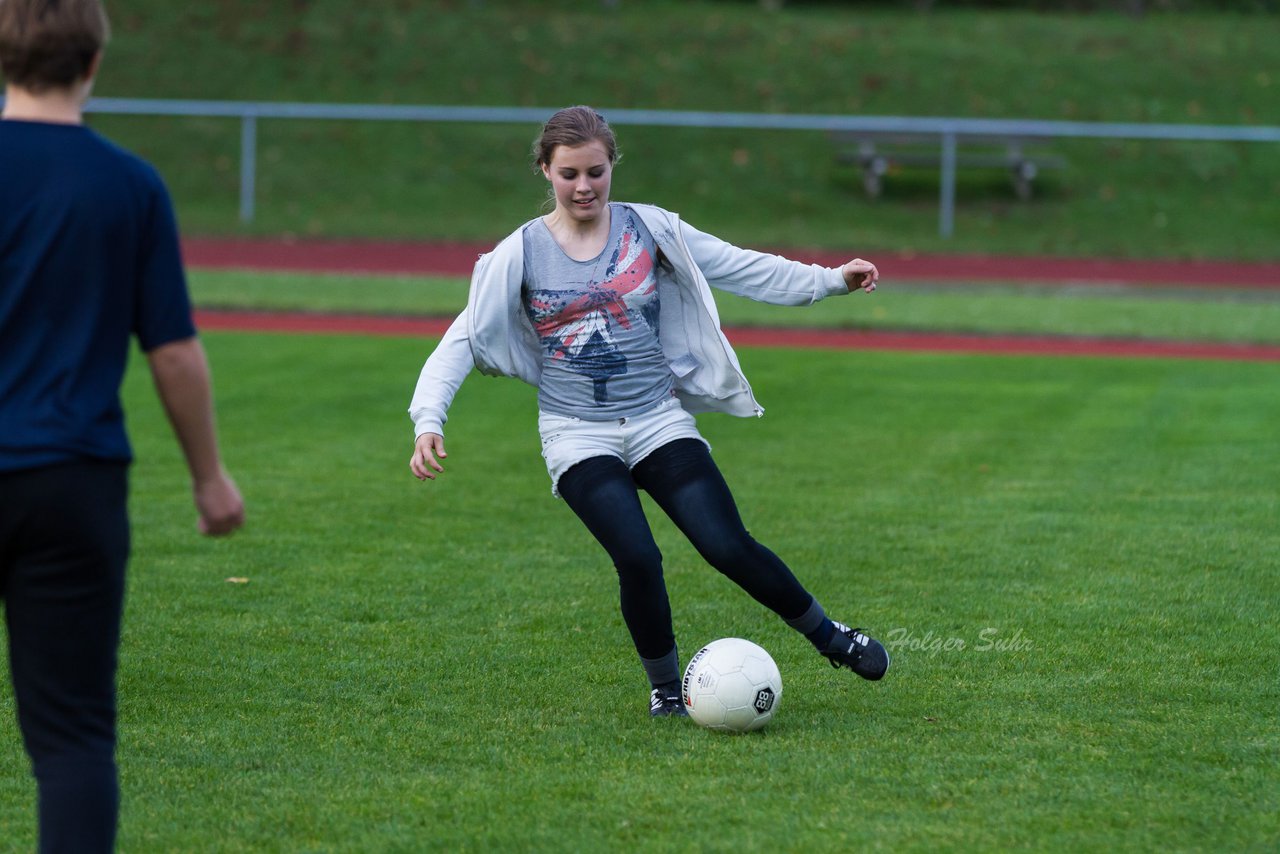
[948,130]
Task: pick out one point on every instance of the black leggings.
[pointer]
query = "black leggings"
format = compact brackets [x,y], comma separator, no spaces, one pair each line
[684,481]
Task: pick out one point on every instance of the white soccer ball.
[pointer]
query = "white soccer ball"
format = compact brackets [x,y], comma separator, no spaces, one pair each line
[731,685]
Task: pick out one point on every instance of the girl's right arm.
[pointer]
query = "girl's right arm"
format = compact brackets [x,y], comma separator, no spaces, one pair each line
[428,450]
[442,375]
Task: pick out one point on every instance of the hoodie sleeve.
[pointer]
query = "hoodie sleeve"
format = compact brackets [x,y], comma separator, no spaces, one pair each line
[441,376]
[760,276]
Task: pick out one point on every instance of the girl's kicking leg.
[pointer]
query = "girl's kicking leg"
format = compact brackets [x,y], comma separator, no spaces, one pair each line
[685,482]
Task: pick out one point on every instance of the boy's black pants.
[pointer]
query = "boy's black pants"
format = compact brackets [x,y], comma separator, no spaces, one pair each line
[64,543]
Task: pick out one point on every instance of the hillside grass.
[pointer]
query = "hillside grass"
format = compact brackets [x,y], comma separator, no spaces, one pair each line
[1116,197]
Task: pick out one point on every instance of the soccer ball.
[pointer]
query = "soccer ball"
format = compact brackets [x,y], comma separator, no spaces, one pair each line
[731,685]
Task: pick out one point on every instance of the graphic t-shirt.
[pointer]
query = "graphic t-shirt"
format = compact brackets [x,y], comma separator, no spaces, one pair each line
[88,258]
[598,322]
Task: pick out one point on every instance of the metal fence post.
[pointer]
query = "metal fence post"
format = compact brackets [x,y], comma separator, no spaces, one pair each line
[947,200]
[248,164]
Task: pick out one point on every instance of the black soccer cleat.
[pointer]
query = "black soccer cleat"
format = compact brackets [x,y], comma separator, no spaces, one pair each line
[665,702]
[862,654]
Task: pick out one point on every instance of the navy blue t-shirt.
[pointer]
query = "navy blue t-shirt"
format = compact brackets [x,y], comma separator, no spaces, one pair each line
[89,257]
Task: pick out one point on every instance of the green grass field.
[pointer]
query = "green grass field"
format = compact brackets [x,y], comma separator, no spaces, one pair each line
[1068,558]
[1116,197]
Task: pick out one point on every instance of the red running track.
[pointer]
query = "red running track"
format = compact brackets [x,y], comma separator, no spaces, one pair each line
[826,339]
[457,259]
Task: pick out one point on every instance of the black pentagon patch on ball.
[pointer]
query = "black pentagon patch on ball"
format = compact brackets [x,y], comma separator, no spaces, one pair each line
[764,700]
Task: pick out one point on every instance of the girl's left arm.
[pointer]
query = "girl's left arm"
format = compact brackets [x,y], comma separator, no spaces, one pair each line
[773,278]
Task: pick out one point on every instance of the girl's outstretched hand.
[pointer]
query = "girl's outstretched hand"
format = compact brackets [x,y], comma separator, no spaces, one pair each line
[428,450]
[860,275]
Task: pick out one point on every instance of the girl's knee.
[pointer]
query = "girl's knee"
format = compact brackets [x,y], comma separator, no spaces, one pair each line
[640,566]
[731,555]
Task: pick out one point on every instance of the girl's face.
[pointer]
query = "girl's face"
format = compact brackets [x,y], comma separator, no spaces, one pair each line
[580,177]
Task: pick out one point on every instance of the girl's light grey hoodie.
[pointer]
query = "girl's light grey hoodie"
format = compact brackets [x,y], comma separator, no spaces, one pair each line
[494,334]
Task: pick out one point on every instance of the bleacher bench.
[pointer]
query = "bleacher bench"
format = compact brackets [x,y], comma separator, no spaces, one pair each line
[877,154]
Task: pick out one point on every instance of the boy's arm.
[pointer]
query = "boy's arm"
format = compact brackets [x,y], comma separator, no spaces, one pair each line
[181,375]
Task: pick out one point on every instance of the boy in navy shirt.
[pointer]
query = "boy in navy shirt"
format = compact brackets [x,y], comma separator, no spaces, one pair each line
[89,258]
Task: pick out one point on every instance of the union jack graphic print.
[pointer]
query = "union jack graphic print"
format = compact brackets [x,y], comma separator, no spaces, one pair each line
[582,324]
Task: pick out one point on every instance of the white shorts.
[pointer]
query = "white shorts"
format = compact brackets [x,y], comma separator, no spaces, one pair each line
[567,441]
